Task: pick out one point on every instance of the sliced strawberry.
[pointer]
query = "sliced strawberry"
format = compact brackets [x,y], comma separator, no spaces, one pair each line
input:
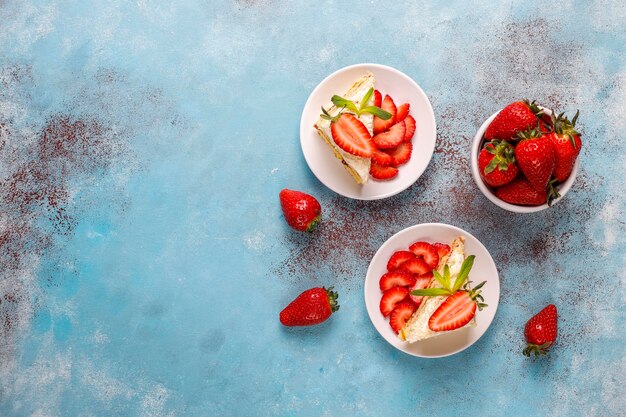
[401,314]
[455,312]
[398,258]
[382,173]
[401,153]
[410,128]
[390,298]
[390,138]
[421,282]
[402,112]
[378,98]
[427,252]
[382,158]
[442,249]
[415,266]
[388,105]
[396,279]
[351,135]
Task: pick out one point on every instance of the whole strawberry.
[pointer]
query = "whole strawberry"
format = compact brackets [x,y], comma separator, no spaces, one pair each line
[535,157]
[521,193]
[541,331]
[566,143]
[514,118]
[496,163]
[313,306]
[302,211]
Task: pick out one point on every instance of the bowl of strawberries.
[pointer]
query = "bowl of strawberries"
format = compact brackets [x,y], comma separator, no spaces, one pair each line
[525,157]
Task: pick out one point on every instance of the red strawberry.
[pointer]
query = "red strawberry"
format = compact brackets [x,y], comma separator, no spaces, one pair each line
[398,258]
[378,98]
[351,135]
[541,331]
[514,118]
[401,314]
[402,111]
[390,298]
[410,128]
[401,153]
[382,158]
[521,193]
[427,252]
[388,105]
[415,266]
[396,279]
[382,173]
[535,157]
[313,306]
[302,211]
[566,143]
[496,163]
[455,312]
[421,282]
[442,249]
[390,138]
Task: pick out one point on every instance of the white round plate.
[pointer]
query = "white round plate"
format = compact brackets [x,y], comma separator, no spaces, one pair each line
[329,170]
[484,269]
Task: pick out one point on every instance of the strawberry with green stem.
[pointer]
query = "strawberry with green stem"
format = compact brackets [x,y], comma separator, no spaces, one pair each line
[459,308]
[302,211]
[313,306]
[535,157]
[541,331]
[566,143]
[496,163]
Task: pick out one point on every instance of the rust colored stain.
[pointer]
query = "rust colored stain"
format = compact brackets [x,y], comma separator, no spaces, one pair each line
[36,188]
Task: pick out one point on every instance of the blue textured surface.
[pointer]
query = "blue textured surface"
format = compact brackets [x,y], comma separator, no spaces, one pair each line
[142,274]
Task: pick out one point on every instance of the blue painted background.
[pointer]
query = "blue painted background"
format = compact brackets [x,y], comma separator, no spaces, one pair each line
[159,292]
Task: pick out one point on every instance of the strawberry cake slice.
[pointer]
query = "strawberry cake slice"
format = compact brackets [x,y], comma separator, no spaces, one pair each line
[448,304]
[348,131]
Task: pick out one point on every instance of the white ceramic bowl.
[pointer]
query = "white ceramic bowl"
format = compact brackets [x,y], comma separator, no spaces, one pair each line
[484,269]
[329,170]
[487,191]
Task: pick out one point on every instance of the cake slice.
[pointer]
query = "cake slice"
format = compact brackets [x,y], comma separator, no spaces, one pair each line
[357,166]
[417,327]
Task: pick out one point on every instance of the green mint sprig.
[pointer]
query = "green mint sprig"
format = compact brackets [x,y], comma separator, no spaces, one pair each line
[344,103]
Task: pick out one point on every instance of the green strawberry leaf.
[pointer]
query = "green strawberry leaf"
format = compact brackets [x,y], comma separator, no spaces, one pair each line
[491,165]
[575,118]
[479,286]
